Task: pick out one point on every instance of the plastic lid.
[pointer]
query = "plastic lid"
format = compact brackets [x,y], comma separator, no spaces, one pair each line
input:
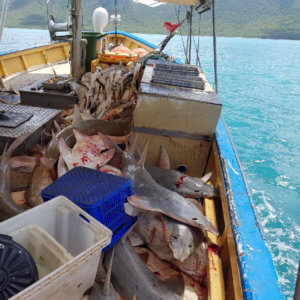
[17,268]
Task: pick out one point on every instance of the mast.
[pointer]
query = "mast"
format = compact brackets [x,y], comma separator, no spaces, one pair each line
[76,48]
[215,46]
[3,17]
[116,24]
[189,38]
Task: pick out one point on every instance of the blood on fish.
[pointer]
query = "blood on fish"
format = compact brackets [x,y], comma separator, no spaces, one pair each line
[153,231]
[180,181]
[75,164]
[164,229]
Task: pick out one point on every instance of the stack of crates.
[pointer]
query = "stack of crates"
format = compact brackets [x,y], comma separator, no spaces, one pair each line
[100,194]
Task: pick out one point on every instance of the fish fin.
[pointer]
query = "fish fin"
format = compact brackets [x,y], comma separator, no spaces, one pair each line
[137,153]
[16,143]
[78,135]
[142,203]
[207,176]
[142,160]
[106,141]
[164,160]
[61,167]
[77,118]
[63,145]
[57,126]
[135,239]
[130,210]
[108,274]
[49,165]
[133,145]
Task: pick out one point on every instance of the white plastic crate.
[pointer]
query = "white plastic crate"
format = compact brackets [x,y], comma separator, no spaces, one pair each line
[46,252]
[79,233]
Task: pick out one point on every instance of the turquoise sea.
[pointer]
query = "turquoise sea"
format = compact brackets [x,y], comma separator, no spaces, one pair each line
[259,85]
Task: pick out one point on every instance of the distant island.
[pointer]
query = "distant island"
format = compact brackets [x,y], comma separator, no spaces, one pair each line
[276,19]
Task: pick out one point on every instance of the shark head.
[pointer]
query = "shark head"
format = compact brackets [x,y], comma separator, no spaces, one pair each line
[195,187]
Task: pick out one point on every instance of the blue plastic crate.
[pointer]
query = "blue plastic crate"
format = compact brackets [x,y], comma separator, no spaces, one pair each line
[100,194]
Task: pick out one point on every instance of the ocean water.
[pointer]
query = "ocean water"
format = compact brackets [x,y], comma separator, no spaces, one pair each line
[259,86]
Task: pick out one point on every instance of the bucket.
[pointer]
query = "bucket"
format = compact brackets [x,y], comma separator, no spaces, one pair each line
[91,48]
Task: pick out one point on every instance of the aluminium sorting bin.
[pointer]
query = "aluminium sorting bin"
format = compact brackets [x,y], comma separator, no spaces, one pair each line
[75,230]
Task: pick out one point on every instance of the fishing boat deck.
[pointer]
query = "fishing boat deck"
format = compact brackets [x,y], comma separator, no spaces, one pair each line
[224,266]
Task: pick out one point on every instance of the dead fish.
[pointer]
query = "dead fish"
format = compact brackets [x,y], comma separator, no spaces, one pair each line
[41,178]
[61,167]
[87,127]
[91,143]
[161,268]
[87,152]
[24,164]
[19,198]
[132,278]
[163,161]
[195,264]
[103,288]
[165,272]
[77,118]
[149,195]
[167,238]
[181,183]
[111,170]
[119,140]
[21,169]
[172,241]
[19,181]
[8,207]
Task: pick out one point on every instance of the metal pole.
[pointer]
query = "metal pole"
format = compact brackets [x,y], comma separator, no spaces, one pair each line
[189,15]
[116,25]
[3,17]
[215,46]
[76,48]
[190,33]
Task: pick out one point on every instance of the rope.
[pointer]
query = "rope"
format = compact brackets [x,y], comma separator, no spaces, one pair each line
[180,31]
[215,46]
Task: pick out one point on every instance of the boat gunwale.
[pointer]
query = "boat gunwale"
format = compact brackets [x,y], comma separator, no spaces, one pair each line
[258,274]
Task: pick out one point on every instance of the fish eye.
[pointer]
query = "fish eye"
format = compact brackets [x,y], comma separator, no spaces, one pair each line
[196,191]
[194,219]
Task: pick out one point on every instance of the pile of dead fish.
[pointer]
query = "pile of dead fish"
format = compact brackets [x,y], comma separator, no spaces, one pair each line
[165,252]
[108,93]
[164,255]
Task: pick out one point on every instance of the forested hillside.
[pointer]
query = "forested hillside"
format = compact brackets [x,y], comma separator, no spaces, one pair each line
[246,18]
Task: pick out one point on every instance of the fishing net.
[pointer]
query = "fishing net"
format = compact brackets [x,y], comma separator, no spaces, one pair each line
[156,55]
